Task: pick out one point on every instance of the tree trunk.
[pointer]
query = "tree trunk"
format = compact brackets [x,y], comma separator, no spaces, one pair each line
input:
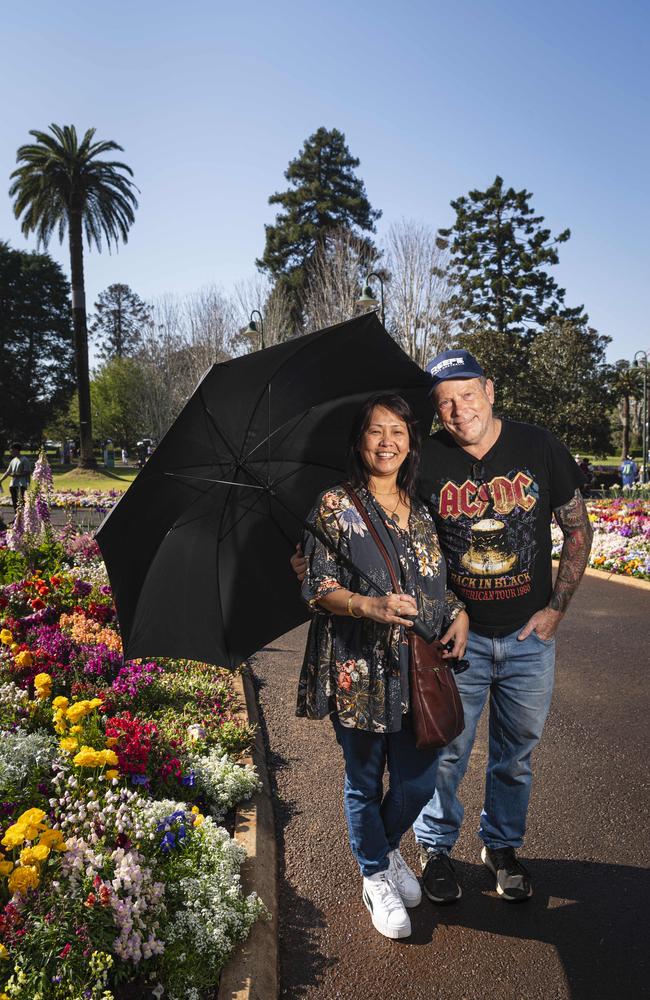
[86,455]
[626,427]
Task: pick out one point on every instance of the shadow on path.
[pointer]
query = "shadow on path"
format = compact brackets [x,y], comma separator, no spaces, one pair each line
[594,914]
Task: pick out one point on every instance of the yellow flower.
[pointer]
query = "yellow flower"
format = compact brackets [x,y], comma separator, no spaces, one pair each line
[199,819]
[24,659]
[42,680]
[95,703]
[34,855]
[69,744]
[23,878]
[108,757]
[76,729]
[15,648]
[112,773]
[31,816]
[87,757]
[14,837]
[6,867]
[52,838]
[3,954]
[112,741]
[6,638]
[60,702]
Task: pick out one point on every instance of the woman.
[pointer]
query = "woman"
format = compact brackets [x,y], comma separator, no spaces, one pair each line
[356,662]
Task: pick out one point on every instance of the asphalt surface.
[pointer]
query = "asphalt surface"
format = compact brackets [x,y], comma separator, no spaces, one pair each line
[585,933]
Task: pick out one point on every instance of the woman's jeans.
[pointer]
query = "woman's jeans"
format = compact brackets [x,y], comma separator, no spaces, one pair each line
[518,676]
[376,822]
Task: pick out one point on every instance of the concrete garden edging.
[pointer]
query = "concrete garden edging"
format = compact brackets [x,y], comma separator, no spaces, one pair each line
[253,970]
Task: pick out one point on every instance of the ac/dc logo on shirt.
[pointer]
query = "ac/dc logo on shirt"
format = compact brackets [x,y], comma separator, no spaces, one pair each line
[472,499]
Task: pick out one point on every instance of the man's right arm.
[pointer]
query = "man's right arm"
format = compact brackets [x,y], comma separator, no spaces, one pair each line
[299,563]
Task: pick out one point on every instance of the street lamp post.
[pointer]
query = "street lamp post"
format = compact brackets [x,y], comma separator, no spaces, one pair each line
[256,328]
[639,363]
[368,299]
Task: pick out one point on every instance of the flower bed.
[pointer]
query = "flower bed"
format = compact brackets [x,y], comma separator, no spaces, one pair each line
[115,873]
[621,537]
[102,500]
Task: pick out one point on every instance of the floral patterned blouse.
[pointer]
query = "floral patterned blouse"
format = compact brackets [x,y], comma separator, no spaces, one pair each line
[354,666]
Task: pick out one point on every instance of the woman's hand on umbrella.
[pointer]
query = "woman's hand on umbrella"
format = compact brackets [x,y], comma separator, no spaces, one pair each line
[390,610]
[299,563]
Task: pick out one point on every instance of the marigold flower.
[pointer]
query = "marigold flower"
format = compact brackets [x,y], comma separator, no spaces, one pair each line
[76,729]
[14,837]
[23,878]
[112,741]
[69,744]
[6,867]
[6,638]
[113,773]
[24,659]
[3,954]
[60,702]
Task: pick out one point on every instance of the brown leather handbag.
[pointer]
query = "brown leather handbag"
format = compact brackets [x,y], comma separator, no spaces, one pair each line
[436,708]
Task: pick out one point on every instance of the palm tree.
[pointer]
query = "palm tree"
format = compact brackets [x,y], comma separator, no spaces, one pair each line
[62,184]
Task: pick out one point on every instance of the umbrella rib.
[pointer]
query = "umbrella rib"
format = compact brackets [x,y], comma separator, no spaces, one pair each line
[283,427]
[224,482]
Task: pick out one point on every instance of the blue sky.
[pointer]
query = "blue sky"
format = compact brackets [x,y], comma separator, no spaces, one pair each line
[211,100]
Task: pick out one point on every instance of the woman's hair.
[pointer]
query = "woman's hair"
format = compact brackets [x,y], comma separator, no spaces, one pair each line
[408,473]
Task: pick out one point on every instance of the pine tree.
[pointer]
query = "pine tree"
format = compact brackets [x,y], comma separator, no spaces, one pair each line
[499,251]
[324,195]
[118,321]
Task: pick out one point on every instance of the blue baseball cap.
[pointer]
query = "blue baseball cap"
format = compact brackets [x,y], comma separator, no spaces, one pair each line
[453,364]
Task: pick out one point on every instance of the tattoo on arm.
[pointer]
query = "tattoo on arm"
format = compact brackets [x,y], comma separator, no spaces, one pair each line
[575,525]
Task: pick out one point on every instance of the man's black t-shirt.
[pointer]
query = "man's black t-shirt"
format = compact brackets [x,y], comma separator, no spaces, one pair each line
[493,518]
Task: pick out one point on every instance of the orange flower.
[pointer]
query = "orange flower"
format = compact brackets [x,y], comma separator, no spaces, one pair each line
[344,681]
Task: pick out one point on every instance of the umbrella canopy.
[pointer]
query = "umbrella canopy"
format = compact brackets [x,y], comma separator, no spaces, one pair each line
[197,550]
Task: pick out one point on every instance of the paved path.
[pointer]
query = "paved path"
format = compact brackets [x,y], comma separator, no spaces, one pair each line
[584,934]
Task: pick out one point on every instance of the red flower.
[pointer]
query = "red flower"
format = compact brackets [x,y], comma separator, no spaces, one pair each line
[91,899]
[65,951]
[37,603]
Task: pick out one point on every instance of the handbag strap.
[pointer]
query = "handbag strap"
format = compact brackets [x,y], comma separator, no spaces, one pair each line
[349,489]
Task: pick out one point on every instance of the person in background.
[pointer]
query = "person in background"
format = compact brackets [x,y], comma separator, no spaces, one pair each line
[20,470]
[629,470]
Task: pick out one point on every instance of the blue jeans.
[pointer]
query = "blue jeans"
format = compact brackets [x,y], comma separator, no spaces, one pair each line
[376,822]
[518,675]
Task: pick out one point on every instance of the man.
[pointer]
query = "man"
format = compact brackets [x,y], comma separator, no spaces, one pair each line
[20,470]
[629,470]
[492,485]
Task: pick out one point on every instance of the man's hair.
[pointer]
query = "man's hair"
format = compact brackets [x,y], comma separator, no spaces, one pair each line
[16,446]
[408,472]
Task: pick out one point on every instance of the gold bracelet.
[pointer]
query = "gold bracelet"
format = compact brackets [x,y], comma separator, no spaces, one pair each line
[350,608]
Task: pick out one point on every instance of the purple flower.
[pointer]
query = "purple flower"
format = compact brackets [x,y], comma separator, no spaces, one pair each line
[81,588]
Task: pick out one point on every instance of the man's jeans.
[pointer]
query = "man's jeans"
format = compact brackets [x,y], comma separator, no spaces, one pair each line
[518,675]
[376,822]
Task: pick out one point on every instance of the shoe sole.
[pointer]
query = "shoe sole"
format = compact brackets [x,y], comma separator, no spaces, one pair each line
[394,935]
[500,892]
[440,900]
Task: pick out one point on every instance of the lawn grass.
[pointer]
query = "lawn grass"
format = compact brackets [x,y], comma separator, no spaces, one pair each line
[71,477]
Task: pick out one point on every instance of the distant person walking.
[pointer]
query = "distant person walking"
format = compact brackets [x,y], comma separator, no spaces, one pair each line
[629,470]
[20,470]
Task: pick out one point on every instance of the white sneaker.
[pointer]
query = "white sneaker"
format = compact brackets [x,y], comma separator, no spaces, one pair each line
[385,905]
[403,879]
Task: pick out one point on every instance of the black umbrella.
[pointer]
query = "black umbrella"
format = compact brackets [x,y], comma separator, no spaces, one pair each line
[197,550]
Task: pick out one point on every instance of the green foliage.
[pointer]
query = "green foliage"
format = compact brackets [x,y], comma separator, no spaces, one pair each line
[115,394]
[558,379]
[60,177]
[36,357]
[118,322]
[48,556]
[324,195]
[499,252]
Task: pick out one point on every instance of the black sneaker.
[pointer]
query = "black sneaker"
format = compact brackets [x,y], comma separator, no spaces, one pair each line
[438,879]
[513,881]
